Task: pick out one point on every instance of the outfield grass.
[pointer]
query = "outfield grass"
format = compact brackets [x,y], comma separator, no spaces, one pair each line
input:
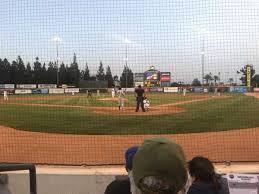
[236,112]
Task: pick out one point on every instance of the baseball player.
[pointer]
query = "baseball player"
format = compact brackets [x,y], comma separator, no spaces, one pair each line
[5,96]
[113,93]
[146,103]
[184,91]
[121,95]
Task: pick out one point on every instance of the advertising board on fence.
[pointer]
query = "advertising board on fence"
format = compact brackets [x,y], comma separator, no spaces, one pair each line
[9,91]
[165,76]
[23,91]
[238,89]
[47,86]
[171,89]
[36,91]
[165,84]
[72,90]
[26,86]
[128,89]
[138,77]
[198,89]
[256,89]
[155,89]
[56,91]
[136,84]
[243,183]
[7,86]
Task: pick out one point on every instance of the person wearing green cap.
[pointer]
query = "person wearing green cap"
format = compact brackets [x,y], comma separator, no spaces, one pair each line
[159,167]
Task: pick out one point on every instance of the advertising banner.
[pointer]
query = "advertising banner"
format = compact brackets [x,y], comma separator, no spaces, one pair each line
[198,89]
[243,183]
[23,91]
[128,89]
[9,91]
[165,84]
[155,89]
[138,77]
[47,86]
[56,91]
[44,91]
[7,86]
[238,89]
[165,76]
[256,89]
[72,90]
[26,86]
[170,89]
[136,84]
[36,91]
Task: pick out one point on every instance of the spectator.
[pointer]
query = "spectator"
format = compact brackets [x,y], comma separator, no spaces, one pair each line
[130,153]
[118,187]
[205,179]
[159,167]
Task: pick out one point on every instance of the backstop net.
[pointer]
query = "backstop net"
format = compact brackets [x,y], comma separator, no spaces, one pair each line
[71,73]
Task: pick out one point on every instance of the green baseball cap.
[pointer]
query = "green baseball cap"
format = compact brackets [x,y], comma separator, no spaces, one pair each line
[162,159]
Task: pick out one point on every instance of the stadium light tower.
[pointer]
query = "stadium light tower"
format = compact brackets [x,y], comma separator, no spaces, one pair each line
[127,42]
[202,63]
[57,40]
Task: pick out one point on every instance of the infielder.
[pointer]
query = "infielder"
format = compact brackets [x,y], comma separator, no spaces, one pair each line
[146,104]
[184,92]
[120,94]
[5,96]
[113,93]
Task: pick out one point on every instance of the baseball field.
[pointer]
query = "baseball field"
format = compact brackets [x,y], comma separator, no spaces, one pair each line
[74,130]
[99,115]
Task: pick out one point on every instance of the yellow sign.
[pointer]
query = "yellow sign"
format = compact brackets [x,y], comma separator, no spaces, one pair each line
[248,76]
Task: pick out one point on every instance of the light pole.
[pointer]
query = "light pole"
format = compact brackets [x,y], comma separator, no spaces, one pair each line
[202,63]
[57,64]
[57,40]
[126,61]
[127,41]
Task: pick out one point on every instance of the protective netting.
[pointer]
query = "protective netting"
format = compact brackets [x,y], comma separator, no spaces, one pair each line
[69,70]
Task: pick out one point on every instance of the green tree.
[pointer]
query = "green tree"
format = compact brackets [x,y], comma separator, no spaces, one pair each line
[28,74]
[126,78]
[62,74]
[2,72]
[100,73]
[86,74]
[74,73]
[108,77]
[37,71]
[255,80]
[215,78]
[208,78]
[230,80]
[243,72]
[7,69]
[14,72]
[21,71]
[52,73]
[196,82]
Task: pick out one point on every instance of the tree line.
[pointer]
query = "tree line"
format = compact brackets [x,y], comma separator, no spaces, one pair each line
[211,80]
[17,72]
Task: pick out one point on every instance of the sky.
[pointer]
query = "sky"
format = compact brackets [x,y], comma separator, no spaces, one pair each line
[168,34]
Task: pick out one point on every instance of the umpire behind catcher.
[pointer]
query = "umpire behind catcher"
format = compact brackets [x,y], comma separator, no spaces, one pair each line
[139,98]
